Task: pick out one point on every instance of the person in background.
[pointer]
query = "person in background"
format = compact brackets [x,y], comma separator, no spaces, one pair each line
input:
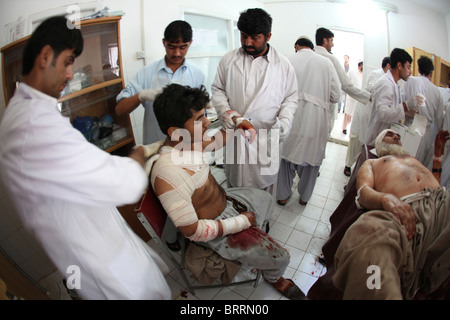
[304,149]
[256,82]
[433,110]
[150,80]
[324,43]
[360,118]
[355,77]
[342,102]
[387,105]
[66,189]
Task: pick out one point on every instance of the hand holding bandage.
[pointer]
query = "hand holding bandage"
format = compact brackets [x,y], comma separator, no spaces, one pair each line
[233,120]
[414,103]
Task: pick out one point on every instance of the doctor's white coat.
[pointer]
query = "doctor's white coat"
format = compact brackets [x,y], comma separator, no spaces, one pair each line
[262,89]
[318,89]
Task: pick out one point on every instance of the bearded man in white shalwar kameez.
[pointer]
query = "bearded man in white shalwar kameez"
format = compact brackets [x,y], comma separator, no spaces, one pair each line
[304,148]
[256,83]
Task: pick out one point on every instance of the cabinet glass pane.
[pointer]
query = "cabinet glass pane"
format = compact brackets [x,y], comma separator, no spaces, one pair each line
[93,115]
[99,61]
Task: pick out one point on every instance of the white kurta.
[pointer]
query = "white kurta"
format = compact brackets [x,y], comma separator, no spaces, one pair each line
[433,111]
[262,89]
[318,90]
[347,86]
[386,107]
[66,191]
[361,113]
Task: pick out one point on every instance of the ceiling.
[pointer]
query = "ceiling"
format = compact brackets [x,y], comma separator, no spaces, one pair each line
[441,6]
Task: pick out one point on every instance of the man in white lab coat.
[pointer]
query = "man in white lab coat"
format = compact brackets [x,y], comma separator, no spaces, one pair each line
[360,118]
[66,189]
[304,148]
[259,84]
[324,43]
[433,110]
[387,105]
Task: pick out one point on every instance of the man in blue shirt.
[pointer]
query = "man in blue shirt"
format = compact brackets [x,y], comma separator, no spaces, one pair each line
[150,80]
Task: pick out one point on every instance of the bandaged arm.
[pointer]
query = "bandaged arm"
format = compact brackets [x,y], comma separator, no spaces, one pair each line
[178,206]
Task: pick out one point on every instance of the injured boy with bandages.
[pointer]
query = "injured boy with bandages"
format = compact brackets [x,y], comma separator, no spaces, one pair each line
[227,221]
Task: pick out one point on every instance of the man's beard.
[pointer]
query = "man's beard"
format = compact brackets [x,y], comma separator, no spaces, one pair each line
[254,53]
[384,149]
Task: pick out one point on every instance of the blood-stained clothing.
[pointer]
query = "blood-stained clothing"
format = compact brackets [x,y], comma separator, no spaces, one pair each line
[251,246]
[66,190]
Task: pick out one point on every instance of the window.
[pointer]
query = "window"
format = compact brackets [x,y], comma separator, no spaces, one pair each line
[212,38]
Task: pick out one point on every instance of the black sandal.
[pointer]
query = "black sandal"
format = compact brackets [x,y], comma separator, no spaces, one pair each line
[175,246]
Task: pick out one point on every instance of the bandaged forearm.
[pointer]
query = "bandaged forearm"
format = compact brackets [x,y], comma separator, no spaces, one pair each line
[209,229]
[235,224]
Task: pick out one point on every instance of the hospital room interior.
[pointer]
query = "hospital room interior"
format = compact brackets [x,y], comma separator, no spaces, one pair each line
[131,36]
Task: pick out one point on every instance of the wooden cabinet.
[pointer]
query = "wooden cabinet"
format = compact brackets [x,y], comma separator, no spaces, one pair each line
[440,76]
[89,99]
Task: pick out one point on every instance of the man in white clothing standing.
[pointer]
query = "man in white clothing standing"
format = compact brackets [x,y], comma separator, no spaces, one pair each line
[259,84]
[304,148]
[433,110]
[387,105]
[324,43]
[361,113]
[65,189]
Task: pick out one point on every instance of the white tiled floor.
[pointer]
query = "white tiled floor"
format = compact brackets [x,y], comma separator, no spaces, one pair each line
[301,229]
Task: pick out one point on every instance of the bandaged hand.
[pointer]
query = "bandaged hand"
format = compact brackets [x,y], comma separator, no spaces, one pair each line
[149,94]
[227,119]
[237,224]
[248,130]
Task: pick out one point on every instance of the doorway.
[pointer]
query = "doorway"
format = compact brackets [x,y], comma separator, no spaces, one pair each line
[351,44]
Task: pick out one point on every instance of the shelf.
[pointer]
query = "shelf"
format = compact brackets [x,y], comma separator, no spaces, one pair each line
[89,89]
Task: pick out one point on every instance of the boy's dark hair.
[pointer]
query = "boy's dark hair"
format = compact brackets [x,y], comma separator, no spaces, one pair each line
[322,33]
[174,106]
[178,29]
[55,32]
[399,55]
[385,62]
[255,21]
[304,42]
[426,66]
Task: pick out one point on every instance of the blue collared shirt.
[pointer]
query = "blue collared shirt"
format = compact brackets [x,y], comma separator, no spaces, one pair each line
[158,75]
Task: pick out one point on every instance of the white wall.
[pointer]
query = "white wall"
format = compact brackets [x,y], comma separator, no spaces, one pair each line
[142,28]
